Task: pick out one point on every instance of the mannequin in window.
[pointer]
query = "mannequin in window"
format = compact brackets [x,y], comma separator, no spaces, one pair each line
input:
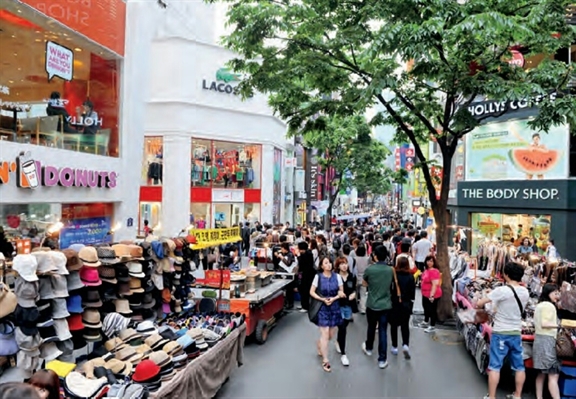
[155,170]
[201,224]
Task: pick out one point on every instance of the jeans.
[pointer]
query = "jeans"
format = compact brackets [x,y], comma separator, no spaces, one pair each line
[378,318]
[430,310]
[502,346]
[362,296]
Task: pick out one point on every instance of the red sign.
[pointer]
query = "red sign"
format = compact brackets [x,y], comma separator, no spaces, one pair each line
[517,59]
[213,279]
[103,21]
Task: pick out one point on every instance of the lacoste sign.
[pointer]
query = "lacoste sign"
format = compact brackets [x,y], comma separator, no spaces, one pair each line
[224,83]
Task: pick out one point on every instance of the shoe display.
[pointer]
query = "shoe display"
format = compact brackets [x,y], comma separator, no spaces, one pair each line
[344,360]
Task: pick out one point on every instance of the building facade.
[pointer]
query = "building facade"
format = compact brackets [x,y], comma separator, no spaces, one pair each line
[210,158]
[63,148]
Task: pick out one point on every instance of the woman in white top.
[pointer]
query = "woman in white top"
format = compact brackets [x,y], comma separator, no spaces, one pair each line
[362,261]
[314,250]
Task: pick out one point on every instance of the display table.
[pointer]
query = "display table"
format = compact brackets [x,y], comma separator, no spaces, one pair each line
[261,308]
[204,376]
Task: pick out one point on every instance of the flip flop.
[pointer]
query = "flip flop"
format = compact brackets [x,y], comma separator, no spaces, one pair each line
[326,367]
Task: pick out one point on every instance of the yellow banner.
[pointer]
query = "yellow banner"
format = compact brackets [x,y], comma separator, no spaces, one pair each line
[212,237]
[419,188]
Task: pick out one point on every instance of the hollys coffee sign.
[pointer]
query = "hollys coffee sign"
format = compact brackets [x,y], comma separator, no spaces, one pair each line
[30,173]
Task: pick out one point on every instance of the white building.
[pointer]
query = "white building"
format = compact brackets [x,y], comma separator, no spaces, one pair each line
[209,157]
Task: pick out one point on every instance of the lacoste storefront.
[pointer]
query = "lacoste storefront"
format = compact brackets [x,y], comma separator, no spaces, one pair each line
[210,159]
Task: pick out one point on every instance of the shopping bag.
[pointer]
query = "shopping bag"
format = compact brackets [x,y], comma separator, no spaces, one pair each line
[564,344]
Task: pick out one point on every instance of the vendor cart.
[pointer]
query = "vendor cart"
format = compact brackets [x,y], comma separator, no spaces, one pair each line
[262,308]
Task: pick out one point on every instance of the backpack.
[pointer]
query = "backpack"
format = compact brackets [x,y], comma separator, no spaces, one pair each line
[399,247]
[337,243]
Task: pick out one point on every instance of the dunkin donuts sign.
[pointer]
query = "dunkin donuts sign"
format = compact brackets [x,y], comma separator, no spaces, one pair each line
[30,173]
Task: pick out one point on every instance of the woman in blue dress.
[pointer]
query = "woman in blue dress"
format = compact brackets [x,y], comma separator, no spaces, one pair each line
[328,288]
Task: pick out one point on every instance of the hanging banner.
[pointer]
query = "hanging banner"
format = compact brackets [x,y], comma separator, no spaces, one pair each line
[213,237]
[89,231]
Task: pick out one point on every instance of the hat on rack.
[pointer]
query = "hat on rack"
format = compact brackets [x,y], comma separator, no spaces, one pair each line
[122,251]
[144,350]
[122,306]
[136,286]
[135,301]
[107,255]
[59,286]
[156,342]
[28,342]
[158,281]
[8,300]
[107,274]
[89,276]
[92,299]
[124,289]
[74,281]
[48,334]
[164,265]
[146,328]
[73,262]
[60,260]
[26,318]
[45,288]
[114,345]
[148,285]
[136,252]
[45,318]
[119,367]
[135,269]
[91,318]
[26,266]
[92,334]
[78,386]
[89,257]
[187,343]
[114,323]
[45,263]
[122,273]
[26,295]
[129,334]
[74,304]
[198,336]
[161,358]
[145,371]
[59,308]
[75,322]
[128,354]
[62,330]
[49,351]
[172,348]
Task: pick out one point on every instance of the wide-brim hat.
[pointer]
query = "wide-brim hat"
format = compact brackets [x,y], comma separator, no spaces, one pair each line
[91,319]
[122,306]
[129,334]
[89,257]
[73,262]
[107,255]
[128,354]
[156,341]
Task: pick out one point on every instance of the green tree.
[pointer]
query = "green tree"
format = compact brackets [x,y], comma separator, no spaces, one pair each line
[345,145]
[340,57]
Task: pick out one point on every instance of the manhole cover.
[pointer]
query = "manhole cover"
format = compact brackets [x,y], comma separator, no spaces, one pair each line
[448,337]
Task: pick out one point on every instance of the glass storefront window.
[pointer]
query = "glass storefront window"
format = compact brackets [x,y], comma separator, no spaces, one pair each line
[227,215]
[238,165]
[150,214]
[200,215]
[88,224]
[202,171]
[251,213]
[152,169]
[28,221]
[56,89]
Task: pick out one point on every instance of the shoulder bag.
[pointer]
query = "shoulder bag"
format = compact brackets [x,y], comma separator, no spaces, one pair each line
[522,311]
[315,304]
[398,292]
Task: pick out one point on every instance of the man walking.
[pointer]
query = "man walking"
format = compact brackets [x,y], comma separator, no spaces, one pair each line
[378,280]
[245,233]
[420,250]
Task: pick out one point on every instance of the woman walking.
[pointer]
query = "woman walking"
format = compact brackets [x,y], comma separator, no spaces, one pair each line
[544,349]
[347,305]
[327,287]
[431,293]
[402,306]
[361,265]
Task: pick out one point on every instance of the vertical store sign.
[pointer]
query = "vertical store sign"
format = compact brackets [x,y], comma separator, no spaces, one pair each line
[313,178]
[277,186]
[100,20]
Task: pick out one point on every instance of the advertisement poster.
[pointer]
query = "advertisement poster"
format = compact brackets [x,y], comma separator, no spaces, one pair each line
[277,186]
[88,231]
[512,150]
[485,226]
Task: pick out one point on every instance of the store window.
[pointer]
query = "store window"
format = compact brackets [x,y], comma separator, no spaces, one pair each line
[203,171]
[496,227]
[28,221]
[152,162]
[56,88]
[150,214]
[237,165]
[251,213]
[88,224]
[228,215]
[200,215]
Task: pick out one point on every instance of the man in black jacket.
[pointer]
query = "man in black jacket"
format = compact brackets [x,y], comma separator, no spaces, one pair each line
[245,234]
[307,272]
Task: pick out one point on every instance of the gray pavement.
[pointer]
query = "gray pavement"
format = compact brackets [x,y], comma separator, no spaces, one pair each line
[287,366]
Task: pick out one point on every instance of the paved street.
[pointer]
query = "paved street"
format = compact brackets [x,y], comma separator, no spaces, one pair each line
[287,366]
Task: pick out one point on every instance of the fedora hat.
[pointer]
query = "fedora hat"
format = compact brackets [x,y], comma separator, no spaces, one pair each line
[124,289]
[135,269]
[92,299]
[172,348]
[136,252]
[119,367]
[123,252]
[161,358]
[74,281]
[136,285]
[107,274]
[122,306]
[122,273]
[146,328]
[92,334]
[156,342]
[144,350]
[73,262]
[128,354]
[114,345]
[91,318]
[129,334]
[107,255]
[89,276]
[89,257]
[26,266]
[60,260]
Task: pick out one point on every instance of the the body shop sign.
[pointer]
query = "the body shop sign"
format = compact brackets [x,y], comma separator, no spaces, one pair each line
[30,173]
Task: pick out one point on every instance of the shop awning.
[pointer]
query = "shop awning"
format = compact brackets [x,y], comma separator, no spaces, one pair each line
[206,238]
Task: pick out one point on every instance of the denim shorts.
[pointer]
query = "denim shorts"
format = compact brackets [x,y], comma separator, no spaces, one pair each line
[346,312]
[502,346]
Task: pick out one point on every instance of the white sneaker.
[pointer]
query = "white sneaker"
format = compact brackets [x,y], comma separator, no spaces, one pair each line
[382,364]
[430,330]
[366,351]
[303,311]
[337,345]
[423,324]
[406,351]
[344,360]
[394,351]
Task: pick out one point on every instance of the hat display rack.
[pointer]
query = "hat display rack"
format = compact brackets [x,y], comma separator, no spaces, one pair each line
[99,315]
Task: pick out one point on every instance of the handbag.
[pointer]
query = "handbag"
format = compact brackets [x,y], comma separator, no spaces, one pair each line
[8,345]
[564,344]
[315,304]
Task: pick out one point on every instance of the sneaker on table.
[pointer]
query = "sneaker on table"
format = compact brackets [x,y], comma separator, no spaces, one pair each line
[406,351]
[430,330]
[394,351]
[366,351]
[382,364]
[344,360]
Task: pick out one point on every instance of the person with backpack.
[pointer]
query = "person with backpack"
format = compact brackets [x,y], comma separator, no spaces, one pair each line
[389,247]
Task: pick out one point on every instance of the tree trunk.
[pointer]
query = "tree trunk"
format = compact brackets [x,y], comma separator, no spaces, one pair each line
[445,307]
